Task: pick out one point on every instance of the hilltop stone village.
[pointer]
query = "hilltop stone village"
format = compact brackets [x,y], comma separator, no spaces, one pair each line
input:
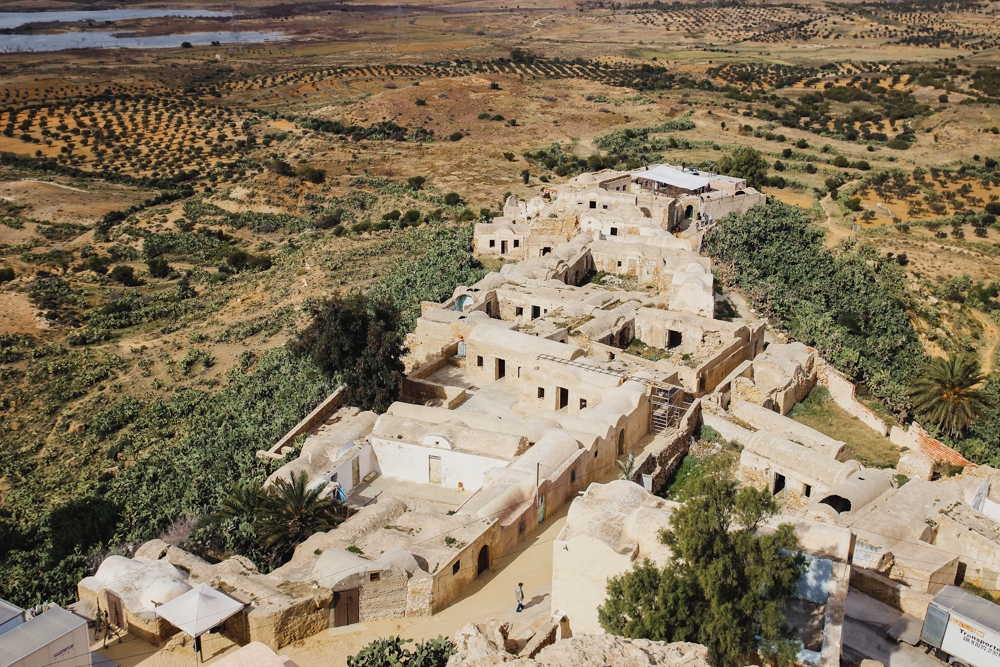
[596,343]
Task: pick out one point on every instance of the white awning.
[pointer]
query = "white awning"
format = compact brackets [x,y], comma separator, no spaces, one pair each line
[199,610]
[675,177]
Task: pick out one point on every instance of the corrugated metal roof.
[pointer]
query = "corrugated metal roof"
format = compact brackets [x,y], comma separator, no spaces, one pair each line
[8,611]
[675,177]
[963,603]
[36,634]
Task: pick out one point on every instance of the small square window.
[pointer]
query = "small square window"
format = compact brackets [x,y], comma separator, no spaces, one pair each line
[479,362]
[593,204]
[595,453]
[572,475]
[619,264]
[541,392]
[604,206]
[517,243]
[374,576]
[493,244]
[518,311]
[456,567]
[614,231]
[807,491]
[521,527]
[583,403]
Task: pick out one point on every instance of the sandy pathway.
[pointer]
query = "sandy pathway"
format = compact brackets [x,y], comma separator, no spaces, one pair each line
[836,232]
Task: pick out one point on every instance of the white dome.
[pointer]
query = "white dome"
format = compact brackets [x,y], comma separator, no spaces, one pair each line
[162,590]
[115,567]
[586,178]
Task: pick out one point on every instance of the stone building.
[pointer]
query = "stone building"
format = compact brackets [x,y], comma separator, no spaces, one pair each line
[615,526]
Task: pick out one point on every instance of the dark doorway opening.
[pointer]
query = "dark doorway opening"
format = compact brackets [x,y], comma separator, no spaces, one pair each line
[501,368]
[563,398]
[484,560]
[779,483]
[674,339]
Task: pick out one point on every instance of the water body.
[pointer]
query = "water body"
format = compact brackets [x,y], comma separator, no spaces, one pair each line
[16,19]
[101,39]
[108,39]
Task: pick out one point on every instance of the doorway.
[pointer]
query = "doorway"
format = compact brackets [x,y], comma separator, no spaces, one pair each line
[779,483]
[503,247]
[345,607]
[355,471]
[621,443]
[434,469]
[484,560]
[563,398]
[116,613]
[501,368]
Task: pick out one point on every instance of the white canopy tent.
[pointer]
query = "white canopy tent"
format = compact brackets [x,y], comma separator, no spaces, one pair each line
[199,610]
[675,177]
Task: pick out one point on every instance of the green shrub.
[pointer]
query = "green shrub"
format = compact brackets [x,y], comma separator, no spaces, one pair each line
[124,274]
[847,304]
[6,274]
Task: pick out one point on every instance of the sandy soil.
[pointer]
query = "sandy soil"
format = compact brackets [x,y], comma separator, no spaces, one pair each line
[17,315]
[57,202]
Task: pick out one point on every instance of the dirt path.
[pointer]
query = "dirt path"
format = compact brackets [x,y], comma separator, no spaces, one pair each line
[991,339]
[836,232]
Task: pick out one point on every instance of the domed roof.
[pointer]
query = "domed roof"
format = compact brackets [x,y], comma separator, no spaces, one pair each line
[346,447]
[162,590]
[586,178]
[115,567]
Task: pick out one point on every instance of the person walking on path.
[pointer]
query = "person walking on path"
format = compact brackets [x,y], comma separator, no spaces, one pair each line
[519,594]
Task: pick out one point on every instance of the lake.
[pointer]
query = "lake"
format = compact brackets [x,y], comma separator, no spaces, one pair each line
[15,19]
[108,39]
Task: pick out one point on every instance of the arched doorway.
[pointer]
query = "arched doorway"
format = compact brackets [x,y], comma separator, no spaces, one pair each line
[689,212]
[484,560]
[621,442]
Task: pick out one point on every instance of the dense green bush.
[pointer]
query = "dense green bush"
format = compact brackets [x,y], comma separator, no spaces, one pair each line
[392,652]
[849,304]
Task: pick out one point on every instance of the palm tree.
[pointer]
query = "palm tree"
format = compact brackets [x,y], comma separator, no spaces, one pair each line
[242,503]
[292,512]
[944,392]
[627,467]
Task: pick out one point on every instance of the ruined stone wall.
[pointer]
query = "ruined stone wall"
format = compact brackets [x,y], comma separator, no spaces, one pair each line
[917,438]
[662,463]
[278,626]
[385,598]
[842,392]
[420,596]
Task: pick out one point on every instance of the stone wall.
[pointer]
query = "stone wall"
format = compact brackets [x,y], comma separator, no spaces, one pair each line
[385,598]
[420,596]
[917,438]
[280,626]
[662,463]
[329,405]
[842,392]
[896,595]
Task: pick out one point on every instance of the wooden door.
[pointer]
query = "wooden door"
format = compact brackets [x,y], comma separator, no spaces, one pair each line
[356,471]
[346,610]
[116,613]
[434,469]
